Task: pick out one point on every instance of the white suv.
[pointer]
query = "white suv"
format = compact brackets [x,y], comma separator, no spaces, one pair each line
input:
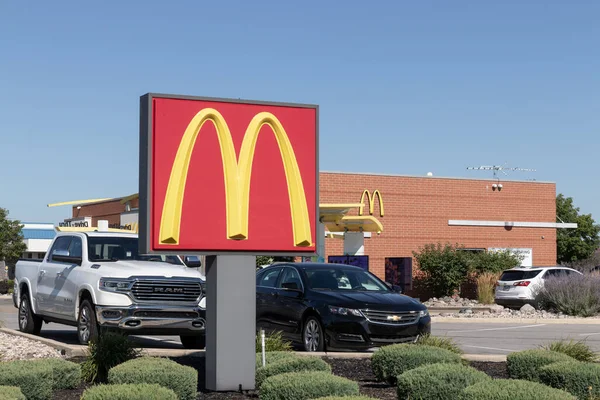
[518,286]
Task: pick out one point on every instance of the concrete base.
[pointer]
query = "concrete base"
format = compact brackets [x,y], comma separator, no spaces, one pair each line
[230,322]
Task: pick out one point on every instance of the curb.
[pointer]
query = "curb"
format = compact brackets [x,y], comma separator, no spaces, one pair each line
[362,355]
[456,310]
[65,349]
[531,321]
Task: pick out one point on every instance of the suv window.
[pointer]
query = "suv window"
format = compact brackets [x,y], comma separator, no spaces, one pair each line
[268,278]
[558,273]
[514,275]
[61,243]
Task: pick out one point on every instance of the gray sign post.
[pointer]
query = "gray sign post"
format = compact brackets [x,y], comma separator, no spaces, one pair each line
[230,322]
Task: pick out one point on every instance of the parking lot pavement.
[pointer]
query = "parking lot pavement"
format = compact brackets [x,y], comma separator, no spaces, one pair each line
[504,338]
[68,334]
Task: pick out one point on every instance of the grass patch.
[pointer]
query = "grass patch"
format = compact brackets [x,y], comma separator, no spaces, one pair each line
[109,350]
[511,389]
[440,342]
[486,285]
[575,349]
[273,342]
[142,391]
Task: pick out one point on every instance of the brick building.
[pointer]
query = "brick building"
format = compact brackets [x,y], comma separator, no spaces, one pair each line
[477,213]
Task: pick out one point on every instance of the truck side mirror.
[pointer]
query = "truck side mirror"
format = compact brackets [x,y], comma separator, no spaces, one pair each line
[192,261]
[66,257]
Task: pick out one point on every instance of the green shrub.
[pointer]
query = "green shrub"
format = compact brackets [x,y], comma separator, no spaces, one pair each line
[65,374]
[274,356]
[297,364]
[390,361]
[183,380]
[273,342]
[142,391]
[577,378]
[441,342]
[438,381]
[34,379]
[345,398]
[511,389]
[526,364]
[577,350]
[306,385]
[11,393]
[109,350]
[444,267]
[578,295]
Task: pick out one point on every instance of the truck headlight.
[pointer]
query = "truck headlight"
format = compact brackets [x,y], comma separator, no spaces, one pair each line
[115,285]
[345,311]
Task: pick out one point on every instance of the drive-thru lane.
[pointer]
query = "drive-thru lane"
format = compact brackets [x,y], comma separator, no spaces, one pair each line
[498,338]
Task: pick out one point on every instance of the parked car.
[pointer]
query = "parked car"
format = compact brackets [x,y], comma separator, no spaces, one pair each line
[95,280]
[324,305]
[518,286]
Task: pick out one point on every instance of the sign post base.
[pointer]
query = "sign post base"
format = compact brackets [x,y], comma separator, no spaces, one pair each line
[230,322]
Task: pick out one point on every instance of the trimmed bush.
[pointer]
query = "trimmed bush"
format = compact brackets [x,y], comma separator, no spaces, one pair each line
[578,350]
[34,379]
[306,385]
[438,381]
[274,356]
[390,361]
[580,379]
[526,364]
[345,398]
[181,379]
[11,393]
[441,342]
[297,364]
[511,389]
[65,374]
[142,391]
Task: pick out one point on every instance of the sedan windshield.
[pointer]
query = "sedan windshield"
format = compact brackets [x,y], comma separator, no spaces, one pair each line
[343,280]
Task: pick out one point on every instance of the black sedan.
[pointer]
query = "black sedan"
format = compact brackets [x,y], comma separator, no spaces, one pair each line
[335,306]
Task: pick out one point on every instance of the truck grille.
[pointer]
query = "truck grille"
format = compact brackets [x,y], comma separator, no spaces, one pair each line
[175,291]
[391,317]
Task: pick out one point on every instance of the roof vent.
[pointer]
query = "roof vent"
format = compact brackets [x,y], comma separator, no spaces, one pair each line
[103,226]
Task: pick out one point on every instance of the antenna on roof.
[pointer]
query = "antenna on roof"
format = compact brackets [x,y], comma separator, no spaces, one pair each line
[499,168]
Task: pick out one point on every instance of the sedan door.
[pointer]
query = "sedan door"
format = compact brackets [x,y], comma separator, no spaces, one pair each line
[290,303]
[266,297]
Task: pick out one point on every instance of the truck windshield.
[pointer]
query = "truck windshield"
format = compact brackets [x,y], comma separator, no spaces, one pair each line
[106,248]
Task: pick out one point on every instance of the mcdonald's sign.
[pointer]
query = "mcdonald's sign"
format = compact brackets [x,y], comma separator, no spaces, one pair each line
[222,176]
[371,199]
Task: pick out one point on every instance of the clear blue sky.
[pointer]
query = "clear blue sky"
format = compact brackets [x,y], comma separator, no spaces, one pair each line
[404,87]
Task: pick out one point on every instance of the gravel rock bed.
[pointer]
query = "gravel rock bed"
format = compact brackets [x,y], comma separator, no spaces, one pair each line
[468,309]
[13,347]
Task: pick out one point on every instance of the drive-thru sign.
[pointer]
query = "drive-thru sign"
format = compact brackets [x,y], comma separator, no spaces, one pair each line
[231,179]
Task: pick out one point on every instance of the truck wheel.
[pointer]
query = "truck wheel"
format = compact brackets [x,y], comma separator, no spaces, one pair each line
[28,321]
[87,326]
[193,342]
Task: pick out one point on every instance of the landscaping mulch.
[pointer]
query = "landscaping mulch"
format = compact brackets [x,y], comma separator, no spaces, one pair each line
[358,370]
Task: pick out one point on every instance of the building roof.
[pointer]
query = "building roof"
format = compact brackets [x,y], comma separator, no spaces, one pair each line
[38,233]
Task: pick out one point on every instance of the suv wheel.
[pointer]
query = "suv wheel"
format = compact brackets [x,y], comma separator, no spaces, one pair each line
[193,342]
[28,321]
[87,326]
[313,336]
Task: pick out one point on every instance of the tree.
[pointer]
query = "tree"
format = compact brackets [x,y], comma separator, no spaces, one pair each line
[575,244]
[494,261]
[265,260]
[11,238]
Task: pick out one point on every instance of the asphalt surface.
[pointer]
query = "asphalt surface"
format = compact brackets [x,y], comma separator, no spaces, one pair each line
[473,337]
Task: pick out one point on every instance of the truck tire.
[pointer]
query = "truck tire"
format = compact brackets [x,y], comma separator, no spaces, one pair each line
[87,326]
[193,342]
[28,321]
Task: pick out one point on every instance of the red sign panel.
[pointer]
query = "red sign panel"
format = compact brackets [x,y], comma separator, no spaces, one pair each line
[223,176]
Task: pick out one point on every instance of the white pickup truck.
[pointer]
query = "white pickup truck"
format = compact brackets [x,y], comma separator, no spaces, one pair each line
[95,280]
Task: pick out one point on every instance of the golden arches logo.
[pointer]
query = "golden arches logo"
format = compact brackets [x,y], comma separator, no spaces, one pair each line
[371,202]
[237,174]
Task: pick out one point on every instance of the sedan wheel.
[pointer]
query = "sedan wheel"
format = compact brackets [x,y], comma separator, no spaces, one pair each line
[313,336]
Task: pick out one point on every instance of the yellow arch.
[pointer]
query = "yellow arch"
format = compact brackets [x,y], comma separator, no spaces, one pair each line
[237,175]
[371,202]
